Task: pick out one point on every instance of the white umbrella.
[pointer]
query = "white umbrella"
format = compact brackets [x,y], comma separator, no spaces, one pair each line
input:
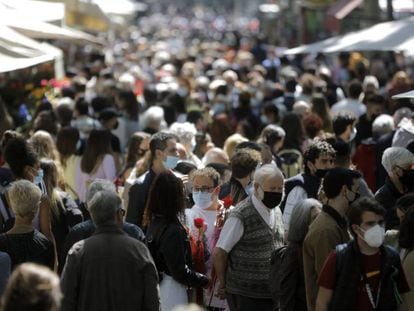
[409,94]
[389,36]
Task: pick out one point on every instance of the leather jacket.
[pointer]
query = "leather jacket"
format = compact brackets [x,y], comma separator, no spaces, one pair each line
[169,245]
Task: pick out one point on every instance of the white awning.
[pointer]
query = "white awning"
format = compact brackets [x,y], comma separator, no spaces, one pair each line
[42,10]
[28,24]
[18,51]
[409,94]
[389,36]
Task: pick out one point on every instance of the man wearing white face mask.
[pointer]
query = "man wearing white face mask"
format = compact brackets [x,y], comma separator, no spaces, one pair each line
[164,156]
[363,274]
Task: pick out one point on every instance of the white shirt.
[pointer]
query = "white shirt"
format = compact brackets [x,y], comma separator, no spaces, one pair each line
[296,195]
[106,170]
[233,227]
[209,219]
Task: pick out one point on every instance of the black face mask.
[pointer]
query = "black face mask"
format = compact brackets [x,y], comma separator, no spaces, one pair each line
[407,179]
[356,197]
[271,199]
[320,173]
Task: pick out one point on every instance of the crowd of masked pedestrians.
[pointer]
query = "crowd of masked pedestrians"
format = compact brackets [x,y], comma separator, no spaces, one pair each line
[209,173]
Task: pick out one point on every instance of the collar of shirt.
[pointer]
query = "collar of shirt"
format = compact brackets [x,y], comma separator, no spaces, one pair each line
[266,213]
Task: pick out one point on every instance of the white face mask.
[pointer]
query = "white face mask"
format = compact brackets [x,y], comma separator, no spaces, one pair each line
[374,236]
[202,199]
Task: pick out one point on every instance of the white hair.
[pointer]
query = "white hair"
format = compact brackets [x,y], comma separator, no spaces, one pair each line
[382,124]
[370,80]
[396,156]
[24,197]
[99,185]
[266,171]
[184,131]
[152,114]
[230,74]
[301,107]
[104,206]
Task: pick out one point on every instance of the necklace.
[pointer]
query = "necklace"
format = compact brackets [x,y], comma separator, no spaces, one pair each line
[370,296]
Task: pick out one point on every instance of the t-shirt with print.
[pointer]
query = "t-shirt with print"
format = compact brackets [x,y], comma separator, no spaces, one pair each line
[371,265]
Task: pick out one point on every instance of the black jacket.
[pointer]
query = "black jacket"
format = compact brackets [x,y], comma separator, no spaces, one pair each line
[349,275]
[292,283]
[387,196]
[138,197]
[170,247]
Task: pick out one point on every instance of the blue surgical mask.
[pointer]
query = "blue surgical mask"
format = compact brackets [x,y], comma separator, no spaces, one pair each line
[219,108]
[171,162]
[202,199]
[39,177]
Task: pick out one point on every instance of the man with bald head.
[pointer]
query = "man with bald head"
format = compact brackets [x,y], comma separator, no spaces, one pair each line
[216,155]
[253,230]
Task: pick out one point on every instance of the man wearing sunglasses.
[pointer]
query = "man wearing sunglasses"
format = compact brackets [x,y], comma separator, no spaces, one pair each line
[362,275]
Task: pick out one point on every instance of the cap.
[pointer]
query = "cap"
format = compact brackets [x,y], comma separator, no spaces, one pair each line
[108,113]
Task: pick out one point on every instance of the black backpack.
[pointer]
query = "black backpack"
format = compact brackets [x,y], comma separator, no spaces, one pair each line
[292,162]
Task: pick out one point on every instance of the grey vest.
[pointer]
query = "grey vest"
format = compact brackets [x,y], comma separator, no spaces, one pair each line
[248,266]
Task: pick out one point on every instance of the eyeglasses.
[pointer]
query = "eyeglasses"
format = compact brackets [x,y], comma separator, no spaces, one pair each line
[123,212]
[202,189]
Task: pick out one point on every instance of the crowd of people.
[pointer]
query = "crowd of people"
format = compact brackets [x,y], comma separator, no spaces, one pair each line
[205,167]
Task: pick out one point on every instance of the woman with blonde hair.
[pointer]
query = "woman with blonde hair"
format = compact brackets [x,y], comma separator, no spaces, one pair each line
[67,141]
[65,213]
[97,161]
[44,145]
[231,142]
[32,287]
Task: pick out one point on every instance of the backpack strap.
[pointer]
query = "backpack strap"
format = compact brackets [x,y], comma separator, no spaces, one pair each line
[5,211]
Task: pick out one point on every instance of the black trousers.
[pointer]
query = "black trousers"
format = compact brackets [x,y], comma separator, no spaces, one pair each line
[242,303]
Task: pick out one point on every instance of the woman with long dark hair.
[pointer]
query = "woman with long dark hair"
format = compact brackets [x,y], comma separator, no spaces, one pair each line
[137,147]
[97,161]
[168,241]
[320,107]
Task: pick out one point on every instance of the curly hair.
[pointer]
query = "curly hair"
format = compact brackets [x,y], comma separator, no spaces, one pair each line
[316,149]
[244,162]
[208,172]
